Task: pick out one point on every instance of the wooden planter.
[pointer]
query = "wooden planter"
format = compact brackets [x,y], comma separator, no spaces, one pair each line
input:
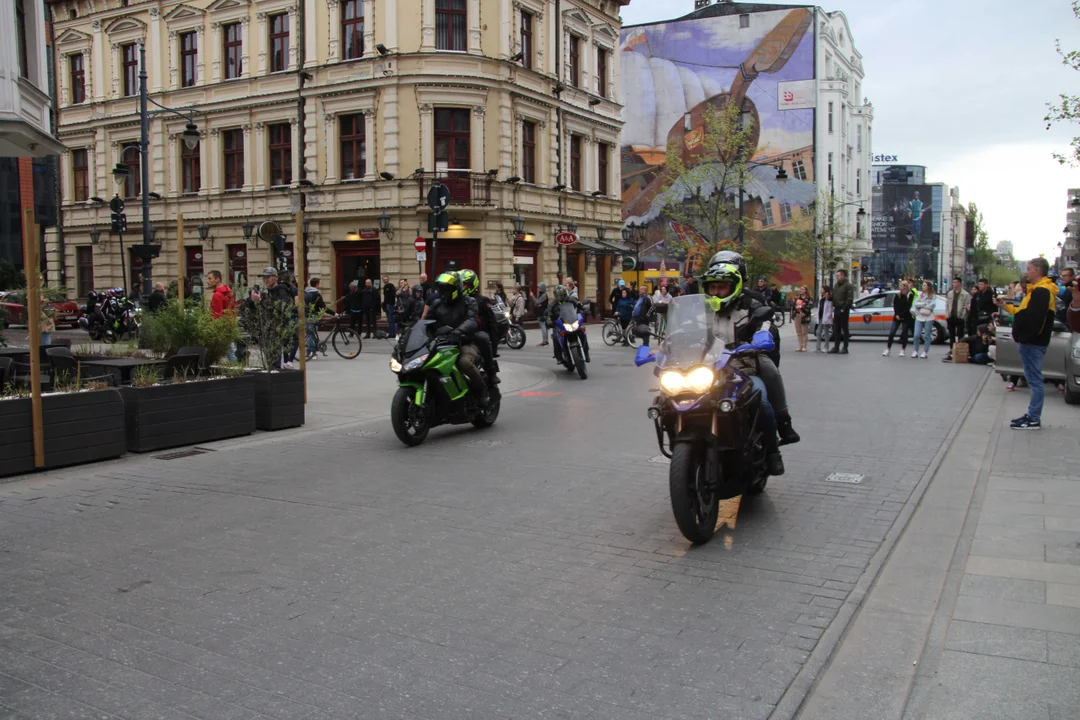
[78,428]
[279,399]
[165,416]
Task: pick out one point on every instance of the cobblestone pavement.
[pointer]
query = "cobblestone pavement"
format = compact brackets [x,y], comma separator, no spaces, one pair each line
[531,570]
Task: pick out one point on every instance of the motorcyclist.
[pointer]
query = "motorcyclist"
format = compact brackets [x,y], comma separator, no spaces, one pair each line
[562,296]
[470,286]
[414,307]
[734,258]
[455,318]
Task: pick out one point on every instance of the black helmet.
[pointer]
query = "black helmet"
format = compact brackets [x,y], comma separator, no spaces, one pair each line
[418,290]
[727,257]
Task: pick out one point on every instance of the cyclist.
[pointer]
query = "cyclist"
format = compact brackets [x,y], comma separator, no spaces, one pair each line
[642,317]
[455,317]
[470,286]
[314,309]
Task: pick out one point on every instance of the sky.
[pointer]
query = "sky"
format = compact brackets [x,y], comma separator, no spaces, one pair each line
[961,86]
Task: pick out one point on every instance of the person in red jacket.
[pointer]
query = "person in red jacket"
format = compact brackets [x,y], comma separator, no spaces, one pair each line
[222,300]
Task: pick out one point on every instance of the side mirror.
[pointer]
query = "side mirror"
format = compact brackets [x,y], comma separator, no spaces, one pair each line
[644,356]
[764,313]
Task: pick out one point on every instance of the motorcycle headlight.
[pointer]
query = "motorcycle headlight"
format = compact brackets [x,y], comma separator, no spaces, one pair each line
[395,366]
[700,379]
[570,327]
[415,363]
[672,382]
[506,315]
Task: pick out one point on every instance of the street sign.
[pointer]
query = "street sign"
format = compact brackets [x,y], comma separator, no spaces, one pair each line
[565,238]
[628,263]
[116,204]
[420,244]
[438,221]
[438,196]
[369,233]
[421,256]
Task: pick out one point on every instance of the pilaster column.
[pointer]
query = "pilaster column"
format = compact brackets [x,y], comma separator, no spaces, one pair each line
[250,151]
[335,30]
[331,146]
[263,41]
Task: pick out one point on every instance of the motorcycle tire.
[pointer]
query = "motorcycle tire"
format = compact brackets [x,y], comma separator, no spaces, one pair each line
[488,416]
[685,474]
[402,417]
[515,338]
[579,360]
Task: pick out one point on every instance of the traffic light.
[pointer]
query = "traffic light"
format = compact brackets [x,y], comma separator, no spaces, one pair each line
[119,222]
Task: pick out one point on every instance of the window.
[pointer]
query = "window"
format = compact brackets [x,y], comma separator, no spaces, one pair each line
[450,17]
[858,138]
[575,66]
[575,162]
[858,182]
[80,175]
[130,59]
[129,158]
[601,71]
[603,152]
[279,42]
[798,169]
[20,29]
[233,45]
[189,59]
[233,142]
[84,255]
[744,20]
[452,150]
[191,166]
[830,116]
[280,154]
[785,212]
[528,152]
[767,207]
[78,79]
[352,29]
[526,39]
[353,147]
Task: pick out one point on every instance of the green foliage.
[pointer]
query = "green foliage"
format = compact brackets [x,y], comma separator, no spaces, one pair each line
[1067,108]
[10,276]
[828,244]
[170,329]
[145,376]
[274,326]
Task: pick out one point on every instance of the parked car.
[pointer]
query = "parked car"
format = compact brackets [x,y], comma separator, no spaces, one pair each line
[1061,364]
[873,316]
[14,302]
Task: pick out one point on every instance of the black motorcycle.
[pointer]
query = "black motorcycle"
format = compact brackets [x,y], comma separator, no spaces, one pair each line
[111,318]
[509,333]
[708,417]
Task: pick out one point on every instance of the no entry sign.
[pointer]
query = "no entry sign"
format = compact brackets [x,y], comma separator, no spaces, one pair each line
[420,244]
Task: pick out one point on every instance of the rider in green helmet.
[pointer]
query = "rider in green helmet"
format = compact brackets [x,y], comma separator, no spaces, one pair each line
[455,316]
[470,283]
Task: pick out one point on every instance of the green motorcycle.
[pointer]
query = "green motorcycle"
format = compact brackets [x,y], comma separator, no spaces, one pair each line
[432,391]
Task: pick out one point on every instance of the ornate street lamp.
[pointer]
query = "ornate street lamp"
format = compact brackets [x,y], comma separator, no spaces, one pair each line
[384,225]
[95,236]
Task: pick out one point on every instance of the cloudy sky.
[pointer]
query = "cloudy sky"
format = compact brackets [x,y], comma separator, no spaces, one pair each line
[961,87]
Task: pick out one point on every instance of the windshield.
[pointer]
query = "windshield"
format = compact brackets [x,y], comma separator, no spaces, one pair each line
[690,340]
[567,312]
[418,337]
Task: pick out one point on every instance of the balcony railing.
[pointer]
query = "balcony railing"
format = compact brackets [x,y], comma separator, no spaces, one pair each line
[466,187]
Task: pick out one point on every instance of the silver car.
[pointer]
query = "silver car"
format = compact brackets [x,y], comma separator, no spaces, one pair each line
[1061,364]
[873,316]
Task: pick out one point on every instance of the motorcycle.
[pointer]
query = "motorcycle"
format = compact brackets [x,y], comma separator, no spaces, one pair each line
[510,333]
[114,318]
[569,329]
[432,390]
[708,417]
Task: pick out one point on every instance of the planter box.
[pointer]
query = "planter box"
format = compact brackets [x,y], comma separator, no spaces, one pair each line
[165,416]
[279,399]
[79,428]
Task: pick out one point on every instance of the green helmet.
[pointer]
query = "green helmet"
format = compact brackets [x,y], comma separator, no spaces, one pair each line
[560,293]
[723,272]
[470,282]
[449,285]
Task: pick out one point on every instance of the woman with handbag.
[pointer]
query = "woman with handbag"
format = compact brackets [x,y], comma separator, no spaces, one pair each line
[800,313]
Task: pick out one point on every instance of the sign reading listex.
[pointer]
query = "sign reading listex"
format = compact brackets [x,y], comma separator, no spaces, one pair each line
[879,159]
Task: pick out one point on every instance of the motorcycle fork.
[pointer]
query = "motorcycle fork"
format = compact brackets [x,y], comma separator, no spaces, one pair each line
[712,453]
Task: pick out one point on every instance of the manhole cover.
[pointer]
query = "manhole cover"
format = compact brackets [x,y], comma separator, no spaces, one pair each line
[364,433]
[179,454]
[849,478]
[660,460]
[489,443]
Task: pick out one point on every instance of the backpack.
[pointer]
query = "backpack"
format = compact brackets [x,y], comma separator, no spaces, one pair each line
[399,305]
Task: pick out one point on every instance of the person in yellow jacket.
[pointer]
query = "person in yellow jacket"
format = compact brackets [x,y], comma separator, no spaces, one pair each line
[1033,324]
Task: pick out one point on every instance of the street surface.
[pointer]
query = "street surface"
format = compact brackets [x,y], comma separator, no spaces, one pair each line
[529,570]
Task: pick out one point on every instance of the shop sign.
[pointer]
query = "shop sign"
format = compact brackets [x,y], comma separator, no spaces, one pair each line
[523,260]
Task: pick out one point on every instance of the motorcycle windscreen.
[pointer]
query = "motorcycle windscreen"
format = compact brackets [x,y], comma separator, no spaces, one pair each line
[418,337]
[568,313]
[690,338]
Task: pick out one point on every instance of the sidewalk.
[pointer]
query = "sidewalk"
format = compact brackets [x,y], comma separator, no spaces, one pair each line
[976,610]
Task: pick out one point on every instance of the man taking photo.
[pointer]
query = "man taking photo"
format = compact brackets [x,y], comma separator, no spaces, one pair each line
[1033,324]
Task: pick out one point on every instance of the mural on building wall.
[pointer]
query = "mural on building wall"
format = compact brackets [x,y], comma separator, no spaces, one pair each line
[671,71]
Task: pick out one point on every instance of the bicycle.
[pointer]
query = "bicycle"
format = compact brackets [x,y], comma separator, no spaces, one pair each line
[345,340]
[613,333]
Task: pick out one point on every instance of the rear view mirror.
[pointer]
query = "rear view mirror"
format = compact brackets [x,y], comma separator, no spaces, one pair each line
[763,313]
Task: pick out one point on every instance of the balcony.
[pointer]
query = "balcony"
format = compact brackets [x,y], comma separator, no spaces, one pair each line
[466,187]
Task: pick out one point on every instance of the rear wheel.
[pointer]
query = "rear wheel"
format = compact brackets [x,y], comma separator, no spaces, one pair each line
[346,342]
[611,332]
[487,416]
[1071,397]
[937,334]
[515,337]
[579,360]
[409,421]
[695,507]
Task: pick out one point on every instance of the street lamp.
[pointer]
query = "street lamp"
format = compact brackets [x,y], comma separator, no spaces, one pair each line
[153,233]
[601,233]
[204,235]
[571,227]
[249,228]
[384,225]
[95,236]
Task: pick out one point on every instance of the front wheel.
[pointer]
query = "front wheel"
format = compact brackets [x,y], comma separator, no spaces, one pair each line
[695,507]
[1071,397]
[515,337]
[611,332]
[937,334]
[409,421]
[346,342]
[579,360]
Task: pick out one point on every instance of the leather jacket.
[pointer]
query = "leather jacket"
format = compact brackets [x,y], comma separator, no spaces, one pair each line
[459,315]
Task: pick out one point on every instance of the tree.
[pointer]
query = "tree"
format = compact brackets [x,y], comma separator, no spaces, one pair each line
[828,244]
[984,257]
[1067,109]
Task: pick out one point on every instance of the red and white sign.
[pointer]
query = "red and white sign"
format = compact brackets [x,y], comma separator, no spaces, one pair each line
[420,244]
[369,233]
[796,95]
[565,238]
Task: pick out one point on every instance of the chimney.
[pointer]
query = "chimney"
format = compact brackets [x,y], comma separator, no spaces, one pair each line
[698,4]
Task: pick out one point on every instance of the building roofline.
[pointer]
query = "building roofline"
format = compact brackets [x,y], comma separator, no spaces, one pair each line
[723,9]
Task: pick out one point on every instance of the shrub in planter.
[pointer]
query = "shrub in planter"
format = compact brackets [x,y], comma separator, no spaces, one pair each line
[171,328]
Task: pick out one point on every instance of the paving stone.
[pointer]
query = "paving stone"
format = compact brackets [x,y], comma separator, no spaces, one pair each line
[997,640]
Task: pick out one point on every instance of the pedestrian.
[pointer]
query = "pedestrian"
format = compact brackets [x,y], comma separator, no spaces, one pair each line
[633,291]
[1033,324]
[389,301]
[47,322]
[571,291]
[958,304]
[800,315]
[979,345]
[541,309]
[517,304]
[1064,296]
[1073,314]
[157,300]
[690,287]
[902,318]
[825,318]
[923,307]
[314,309]
[429,289]
[616,293]
[843,297]
[500,293]
[352,304]
[275,292]
[222,300]
[369,308]
[624,310]
[982,305]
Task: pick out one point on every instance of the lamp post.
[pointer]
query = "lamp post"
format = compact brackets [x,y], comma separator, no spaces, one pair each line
[819,280]
[249,228]
[781,177]
[191,138]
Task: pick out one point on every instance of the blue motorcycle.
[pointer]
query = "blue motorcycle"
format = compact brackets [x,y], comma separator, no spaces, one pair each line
[570,339]
[710,417]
